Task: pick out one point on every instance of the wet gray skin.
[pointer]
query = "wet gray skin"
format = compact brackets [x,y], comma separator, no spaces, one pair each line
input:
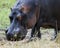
[16,31]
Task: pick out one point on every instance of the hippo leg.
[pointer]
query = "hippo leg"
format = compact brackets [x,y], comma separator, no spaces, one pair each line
[54,34]
[55,29]
[36,28]
[39,34]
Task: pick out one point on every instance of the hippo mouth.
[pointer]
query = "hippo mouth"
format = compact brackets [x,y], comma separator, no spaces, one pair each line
[15,32]
[18,38]
[15,37]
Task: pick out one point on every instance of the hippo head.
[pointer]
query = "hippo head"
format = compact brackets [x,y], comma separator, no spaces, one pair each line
[19,16]
[17,27]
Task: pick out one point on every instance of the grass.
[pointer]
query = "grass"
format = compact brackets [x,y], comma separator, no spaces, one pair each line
[44,42]
[33,44]
[5,6]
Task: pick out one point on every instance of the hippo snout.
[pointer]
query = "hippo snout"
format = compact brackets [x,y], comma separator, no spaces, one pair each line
[12,35]
[15,34]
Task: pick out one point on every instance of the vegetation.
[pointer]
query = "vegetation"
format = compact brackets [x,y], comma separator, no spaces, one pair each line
[5,6]
[44,42]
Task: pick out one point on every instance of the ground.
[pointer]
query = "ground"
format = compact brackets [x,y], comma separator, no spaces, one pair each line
[44,42]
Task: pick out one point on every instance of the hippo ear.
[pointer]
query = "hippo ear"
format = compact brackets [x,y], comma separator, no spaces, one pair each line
[11,9]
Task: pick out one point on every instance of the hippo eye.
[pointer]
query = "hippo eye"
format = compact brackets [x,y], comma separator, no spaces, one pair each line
[11,19]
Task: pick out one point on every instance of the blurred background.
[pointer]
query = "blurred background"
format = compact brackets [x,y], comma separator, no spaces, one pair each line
[5,6]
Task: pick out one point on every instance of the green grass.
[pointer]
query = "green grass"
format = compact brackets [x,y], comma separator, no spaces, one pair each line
[5,6]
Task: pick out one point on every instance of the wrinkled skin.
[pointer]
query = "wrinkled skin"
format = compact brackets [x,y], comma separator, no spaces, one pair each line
[22,17]
[16,28]
[49,16]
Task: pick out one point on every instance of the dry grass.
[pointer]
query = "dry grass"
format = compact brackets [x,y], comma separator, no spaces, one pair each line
[45,42]
[33,44]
